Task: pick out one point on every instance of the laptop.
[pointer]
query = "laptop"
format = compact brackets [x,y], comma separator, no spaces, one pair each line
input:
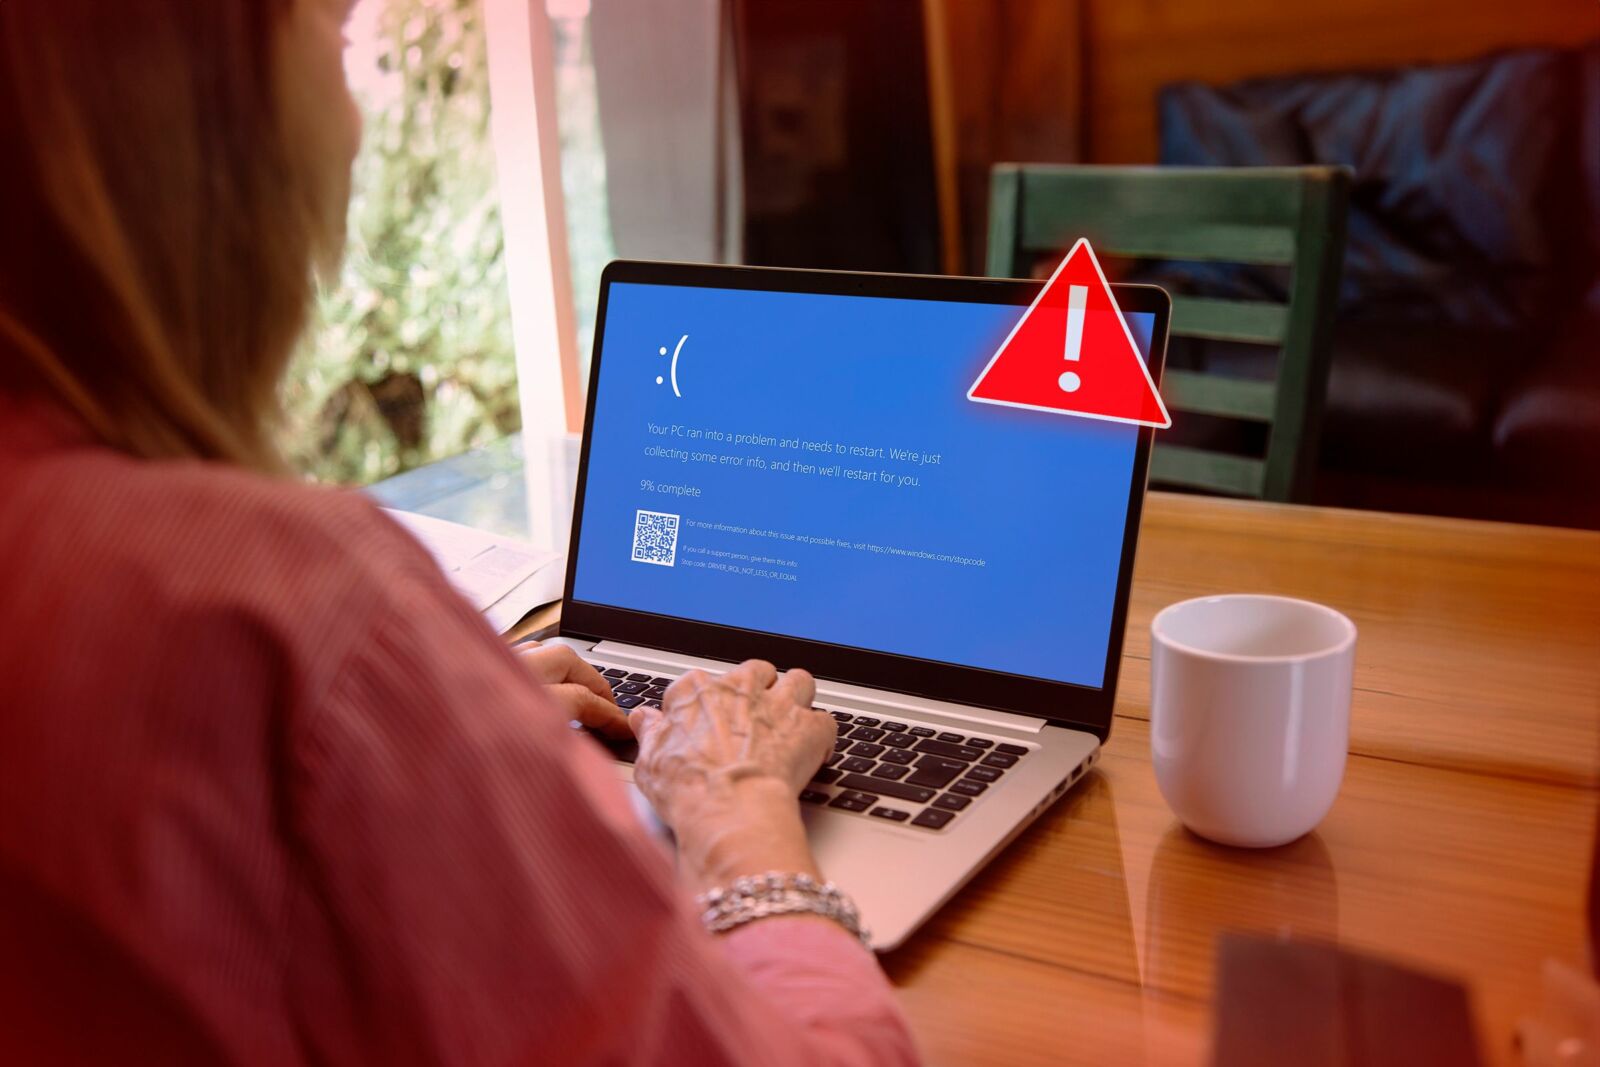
[784,464]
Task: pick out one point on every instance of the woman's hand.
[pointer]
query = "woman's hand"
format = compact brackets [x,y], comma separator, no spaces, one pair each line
[577,687]
[715,730]
[723,764]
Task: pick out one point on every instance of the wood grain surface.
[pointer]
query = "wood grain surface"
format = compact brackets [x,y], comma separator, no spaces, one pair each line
[1478,645]
[1459,842]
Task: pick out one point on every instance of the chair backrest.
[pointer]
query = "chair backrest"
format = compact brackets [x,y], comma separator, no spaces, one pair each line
[1280,216]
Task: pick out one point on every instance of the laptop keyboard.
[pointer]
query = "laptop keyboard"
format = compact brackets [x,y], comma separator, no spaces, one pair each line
[900,771]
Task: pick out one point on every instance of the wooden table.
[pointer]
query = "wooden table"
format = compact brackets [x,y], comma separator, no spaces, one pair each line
[1459,843]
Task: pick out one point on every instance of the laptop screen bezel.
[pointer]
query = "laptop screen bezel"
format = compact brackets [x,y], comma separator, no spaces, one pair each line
[1062,703]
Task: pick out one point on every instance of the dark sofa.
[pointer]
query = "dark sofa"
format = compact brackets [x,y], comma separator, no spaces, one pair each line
[1466,368]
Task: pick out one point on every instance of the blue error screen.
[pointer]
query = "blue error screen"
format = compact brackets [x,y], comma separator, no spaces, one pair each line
[810,466]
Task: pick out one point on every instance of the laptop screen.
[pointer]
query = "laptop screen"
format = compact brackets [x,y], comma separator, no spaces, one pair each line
[808,465]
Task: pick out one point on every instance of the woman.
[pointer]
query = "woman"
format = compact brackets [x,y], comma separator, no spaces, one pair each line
[269,791]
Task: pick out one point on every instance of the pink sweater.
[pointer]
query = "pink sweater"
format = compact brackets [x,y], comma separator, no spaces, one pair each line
[271,792]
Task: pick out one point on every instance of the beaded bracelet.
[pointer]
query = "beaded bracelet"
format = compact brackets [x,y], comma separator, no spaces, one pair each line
[763,896]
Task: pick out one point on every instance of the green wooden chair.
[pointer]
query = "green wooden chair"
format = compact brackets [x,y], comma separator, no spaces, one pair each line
[1288,216]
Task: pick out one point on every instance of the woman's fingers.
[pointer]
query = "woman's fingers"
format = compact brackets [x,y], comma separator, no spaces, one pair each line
[575,686]
[688,682]
[748,717]
[643,721]
[541,661]
[559,664]
[600,714]
[797,685]
[575,669]
[757,673]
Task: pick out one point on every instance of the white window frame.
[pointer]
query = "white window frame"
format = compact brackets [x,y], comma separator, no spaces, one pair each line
[527,145]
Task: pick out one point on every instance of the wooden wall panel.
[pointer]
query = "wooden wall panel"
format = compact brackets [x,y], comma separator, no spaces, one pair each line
[1014,94]
[1076,80]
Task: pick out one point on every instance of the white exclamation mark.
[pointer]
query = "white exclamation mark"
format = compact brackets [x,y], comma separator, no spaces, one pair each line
[1077,304]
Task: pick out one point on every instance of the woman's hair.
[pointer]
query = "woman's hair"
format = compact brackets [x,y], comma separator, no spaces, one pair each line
[157,229]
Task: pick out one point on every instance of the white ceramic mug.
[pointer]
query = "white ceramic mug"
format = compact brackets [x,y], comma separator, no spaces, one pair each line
[1250,714]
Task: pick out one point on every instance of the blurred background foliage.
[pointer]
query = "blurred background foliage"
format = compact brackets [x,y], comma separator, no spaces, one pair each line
[410,357]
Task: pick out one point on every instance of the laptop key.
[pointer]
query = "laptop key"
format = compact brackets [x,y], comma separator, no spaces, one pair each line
[615,682]
[898,790]
[811,796]
[954,739]
[985,774]
[1012,750]
[661,681]
[614,672]
[899,740]
[854,801]
[866,720]
[933,818]
[869,751]
[865,733]
[934,772]
[892,814]
[889,771]
[894,727]
[967,787]
[629,688]
[655,692]
[951,802]
[841,743]
[979,742]
[653,704]
[949,751]
[856,765]
[832,759]
[920,731]
[899,757]
[999,759]
[639,678]
[626,701]
[825,776]
[840,716]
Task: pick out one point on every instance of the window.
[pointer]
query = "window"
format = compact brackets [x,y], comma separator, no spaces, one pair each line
[458,316]
[583,164]
[411,356]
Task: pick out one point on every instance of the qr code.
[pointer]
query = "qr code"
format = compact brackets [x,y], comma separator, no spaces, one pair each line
[655,538]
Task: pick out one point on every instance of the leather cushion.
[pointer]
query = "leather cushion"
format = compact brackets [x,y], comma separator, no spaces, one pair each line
[1548,429]
[1403,401]
[1466,186]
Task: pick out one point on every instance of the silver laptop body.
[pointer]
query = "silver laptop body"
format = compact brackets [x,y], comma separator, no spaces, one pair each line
[927,783]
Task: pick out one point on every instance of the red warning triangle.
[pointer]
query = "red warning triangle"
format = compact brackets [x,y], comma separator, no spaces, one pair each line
[1072,353]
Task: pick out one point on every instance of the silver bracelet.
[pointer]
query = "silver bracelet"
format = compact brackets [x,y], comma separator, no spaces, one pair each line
[762,896]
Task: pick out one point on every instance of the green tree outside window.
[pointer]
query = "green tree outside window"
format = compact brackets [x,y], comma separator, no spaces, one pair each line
[410,357]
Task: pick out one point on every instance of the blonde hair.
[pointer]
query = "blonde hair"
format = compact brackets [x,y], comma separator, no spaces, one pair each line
[156,240]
